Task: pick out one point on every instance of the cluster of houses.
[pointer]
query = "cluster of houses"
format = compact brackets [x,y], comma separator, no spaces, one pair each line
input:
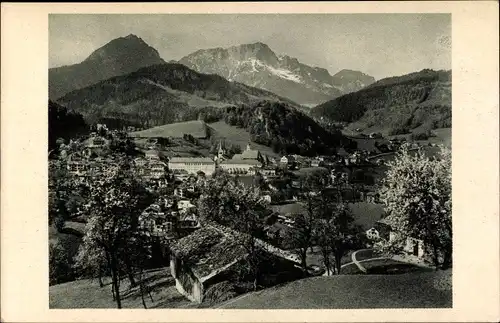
[170,218]
[174,218]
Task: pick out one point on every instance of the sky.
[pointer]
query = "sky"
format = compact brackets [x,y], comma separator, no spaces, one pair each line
[380,45]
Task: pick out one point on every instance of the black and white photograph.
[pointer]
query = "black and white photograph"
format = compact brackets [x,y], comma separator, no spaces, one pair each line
[250,161]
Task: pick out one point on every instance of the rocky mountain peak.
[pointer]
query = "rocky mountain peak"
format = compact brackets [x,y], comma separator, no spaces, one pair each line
[256,64]
[128,46]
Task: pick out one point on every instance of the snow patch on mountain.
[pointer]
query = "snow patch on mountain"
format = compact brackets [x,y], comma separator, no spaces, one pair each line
[286,74]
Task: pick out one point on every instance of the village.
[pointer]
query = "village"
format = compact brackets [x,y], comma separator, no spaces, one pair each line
[173,220]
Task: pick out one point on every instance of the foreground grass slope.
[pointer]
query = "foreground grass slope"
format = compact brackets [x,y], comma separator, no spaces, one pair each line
[412,290]
[86,293]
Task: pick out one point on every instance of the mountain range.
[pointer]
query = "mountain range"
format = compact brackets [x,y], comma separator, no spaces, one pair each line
[126,82]
[254,64]
[258,66]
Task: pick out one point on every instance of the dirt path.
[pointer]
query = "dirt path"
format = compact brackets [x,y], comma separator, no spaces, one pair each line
[359,262]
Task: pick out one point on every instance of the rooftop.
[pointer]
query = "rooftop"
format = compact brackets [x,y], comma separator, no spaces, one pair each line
[209,249]
[241,162]
[213,248]
[205,160]
[250,154]
[290,208]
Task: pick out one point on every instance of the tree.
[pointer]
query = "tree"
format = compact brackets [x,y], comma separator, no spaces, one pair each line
[302,235]
[235,149]
[91,261]
[66,195]
[59,264]
[341,233]
[417,198]
[115,203]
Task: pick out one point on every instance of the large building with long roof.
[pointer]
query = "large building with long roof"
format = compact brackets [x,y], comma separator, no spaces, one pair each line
[192,165]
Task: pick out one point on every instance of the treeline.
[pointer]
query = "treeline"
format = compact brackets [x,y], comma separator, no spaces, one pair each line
[64,124]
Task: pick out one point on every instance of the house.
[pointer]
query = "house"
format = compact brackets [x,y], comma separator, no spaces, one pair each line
[150,167]
[317,162]
[266,198]
[140,162]
[192,165]
[185,205]
[157,169]
[181,175]
[213,253]
[267,171]
[152,143]
[412,246]
[372,197]
[77,165]
[179,191]
[101,127]
[96,142]
[152,155]
[342,155]
[372,234]
[188,222]
[288,161]
[159,222]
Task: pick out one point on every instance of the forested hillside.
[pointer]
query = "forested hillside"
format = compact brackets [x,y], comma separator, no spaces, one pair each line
[160,94]
[285,129]
[395,105]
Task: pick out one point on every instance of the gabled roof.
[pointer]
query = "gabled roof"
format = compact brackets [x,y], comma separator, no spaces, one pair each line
[290,208]
[213,248]
[250,154]
[209,249]
[241,162]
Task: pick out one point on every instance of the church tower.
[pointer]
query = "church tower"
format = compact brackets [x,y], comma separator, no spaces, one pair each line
[220,151]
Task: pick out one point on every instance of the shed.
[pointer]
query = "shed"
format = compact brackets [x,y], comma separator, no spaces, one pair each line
[210,255]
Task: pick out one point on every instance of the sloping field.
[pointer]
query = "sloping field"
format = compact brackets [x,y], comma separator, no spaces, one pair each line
[86,293]
[191,100]
[237,136]
[196,128]
[442,137]
[412,290]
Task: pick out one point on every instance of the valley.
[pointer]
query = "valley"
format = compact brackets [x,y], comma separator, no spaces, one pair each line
[233,175]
